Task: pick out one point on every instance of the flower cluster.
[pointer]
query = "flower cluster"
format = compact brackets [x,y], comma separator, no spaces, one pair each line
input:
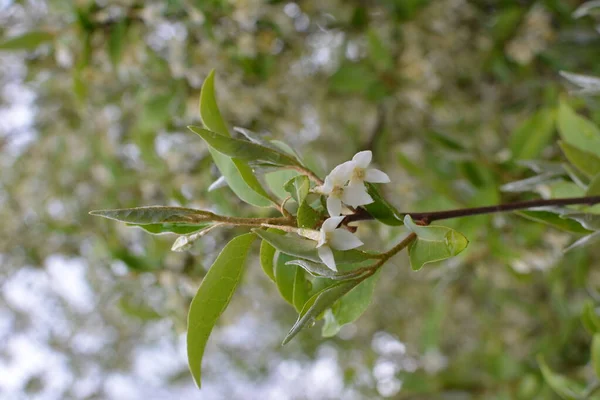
[345,185]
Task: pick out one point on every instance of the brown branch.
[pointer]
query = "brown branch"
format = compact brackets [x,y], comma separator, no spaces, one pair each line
[428,217]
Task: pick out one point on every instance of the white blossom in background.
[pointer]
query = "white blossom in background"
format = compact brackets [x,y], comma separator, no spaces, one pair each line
[332,237]
[361,172]
[338,192]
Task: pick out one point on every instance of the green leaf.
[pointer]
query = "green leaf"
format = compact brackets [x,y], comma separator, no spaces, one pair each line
[285,276]
[532,136]
[239,176]
[267,255]
[298,187]
[212,298]
[577,130]
[180,229]
[554,220]
[322,271]
[156,215]
[587,220]
[301,286]
[596,354]
[350,307]
[307,217]
[243,149]
[297,246]
[26,41]
[276,181]
[318,303]
[593,188]
[584,161]
[564,387]
[116,42]
[433,243]
[381,209]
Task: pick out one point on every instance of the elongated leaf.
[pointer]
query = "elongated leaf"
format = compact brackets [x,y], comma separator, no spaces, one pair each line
[577,130]
[587,220]
[238,175]
[267,255]
[298,187]
[26,41]
[296,246]
[322,271]
[593,188]
[255,138]
[166,228]
[300,292]
[285,276]
[530,138]
[584,161]
[156,215]
[433,243]
[596,354]
[318,303]
[564,387]
[212,298]
[351,306]
[587,84]
[242,149]
[554,220]
[381,209]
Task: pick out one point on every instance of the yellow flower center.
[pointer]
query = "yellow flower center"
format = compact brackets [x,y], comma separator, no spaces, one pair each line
[337,191]
[358,174]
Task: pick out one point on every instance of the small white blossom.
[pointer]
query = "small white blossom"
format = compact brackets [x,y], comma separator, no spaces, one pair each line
[331,237]
[337,192]
[361,172]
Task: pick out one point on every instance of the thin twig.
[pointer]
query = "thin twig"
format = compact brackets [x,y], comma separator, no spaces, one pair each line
[428,217]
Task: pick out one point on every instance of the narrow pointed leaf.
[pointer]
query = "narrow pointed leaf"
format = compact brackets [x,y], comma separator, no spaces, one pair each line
[318,303]
[584,241]
[242,149]
[180,229]
[433,243]
[238,174]
[267,256]
[586,162]
[587,220]
[212,298]
[285,276]
[156,215]
[381,209]
[554,220]
[300,292]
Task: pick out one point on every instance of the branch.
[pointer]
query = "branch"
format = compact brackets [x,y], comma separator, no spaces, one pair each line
[428,217]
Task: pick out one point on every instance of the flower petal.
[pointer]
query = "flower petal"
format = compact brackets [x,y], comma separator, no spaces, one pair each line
[363,158]
[326,255]
[356,195]
[376,176]
[331,223]
[341,239]
[334,206]
[340,174]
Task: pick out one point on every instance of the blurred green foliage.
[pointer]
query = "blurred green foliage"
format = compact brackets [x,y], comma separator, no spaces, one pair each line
[450,95]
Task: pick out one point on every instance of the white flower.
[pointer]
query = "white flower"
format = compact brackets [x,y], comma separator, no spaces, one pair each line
[337,192]
[332,238]
[361,172]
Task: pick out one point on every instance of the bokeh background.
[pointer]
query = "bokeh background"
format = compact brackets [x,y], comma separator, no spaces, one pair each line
[93,115]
